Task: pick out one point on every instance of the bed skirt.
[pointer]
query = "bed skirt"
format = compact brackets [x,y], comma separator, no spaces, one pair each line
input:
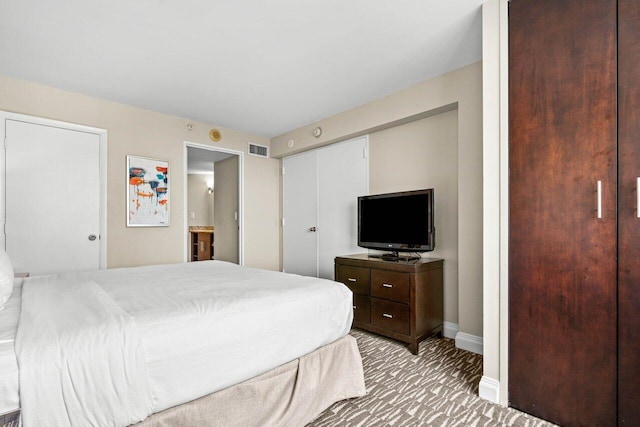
[293,394]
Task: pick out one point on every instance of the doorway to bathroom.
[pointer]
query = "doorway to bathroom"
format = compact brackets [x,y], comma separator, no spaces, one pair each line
[213,204]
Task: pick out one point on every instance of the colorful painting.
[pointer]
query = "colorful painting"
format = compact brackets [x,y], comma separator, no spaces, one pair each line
[147,192]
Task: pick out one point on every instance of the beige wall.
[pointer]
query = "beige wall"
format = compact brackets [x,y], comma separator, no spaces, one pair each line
[461,89]
[141,132]
[226,208]
[199,201]
[424,154]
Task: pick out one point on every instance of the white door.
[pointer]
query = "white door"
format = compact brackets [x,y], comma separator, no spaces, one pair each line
[343,175]
[320,193]
[52,198]
[300,211]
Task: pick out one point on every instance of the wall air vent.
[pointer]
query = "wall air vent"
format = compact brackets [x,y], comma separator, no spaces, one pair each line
[258,150]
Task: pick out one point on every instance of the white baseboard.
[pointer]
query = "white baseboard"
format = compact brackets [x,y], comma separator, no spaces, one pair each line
[464,341]
[449,330]
[469,342]
[489,389]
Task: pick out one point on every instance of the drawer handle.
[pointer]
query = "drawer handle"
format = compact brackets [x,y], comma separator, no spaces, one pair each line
[638,197]
[599,191]
[351,279]
[388,316]
[386,285]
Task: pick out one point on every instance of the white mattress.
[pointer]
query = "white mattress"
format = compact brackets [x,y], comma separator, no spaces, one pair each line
[9,317]
[208,325]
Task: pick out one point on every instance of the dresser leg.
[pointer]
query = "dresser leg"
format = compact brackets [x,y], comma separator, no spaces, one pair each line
[413,347]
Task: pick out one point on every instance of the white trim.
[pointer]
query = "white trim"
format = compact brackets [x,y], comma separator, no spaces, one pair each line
[489,389]
[103,198]
[449,330]
[495,64]
[102,135]
[504,203]
[240,155]
[469,342]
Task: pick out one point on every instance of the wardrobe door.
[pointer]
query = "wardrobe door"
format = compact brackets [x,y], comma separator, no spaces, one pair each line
[562,246]
[320,206]
[629,212]
[300,213]
[343,175]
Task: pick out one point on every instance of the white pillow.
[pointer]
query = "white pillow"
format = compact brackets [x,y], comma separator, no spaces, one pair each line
[6,278]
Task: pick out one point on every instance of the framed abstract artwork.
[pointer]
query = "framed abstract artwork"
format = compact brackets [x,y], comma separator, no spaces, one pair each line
[147,192]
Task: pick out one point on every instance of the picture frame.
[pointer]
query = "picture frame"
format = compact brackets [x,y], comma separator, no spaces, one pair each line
[147,192]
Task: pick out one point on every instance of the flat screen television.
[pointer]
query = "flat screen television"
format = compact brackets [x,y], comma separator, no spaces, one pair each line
[397,222]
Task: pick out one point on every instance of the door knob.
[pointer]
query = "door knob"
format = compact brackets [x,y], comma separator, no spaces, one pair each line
[313,229]
[92,237]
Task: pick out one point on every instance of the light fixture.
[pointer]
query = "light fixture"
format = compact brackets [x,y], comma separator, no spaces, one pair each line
[189,127]
[215,135]
[317,132]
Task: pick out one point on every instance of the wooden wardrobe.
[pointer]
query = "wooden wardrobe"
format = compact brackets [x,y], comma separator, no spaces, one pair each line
[574,210]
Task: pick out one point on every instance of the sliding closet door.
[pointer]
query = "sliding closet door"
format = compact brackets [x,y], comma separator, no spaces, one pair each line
[629,213]
[300,213]
[343,175]
[320,209]
[562,241]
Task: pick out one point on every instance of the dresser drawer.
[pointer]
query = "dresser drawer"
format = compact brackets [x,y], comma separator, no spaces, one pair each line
[361,308]
[390,285]
[356,278]
[389,315]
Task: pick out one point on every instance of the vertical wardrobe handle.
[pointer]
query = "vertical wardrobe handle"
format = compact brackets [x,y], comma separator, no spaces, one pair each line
[599,199]
[638,197]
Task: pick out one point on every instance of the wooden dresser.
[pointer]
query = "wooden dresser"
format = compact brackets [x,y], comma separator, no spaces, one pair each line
[397,299]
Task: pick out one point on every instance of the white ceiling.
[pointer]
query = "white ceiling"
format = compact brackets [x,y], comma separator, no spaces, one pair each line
[262,66]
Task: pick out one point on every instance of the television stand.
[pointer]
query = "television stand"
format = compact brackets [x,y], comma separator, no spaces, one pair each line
[400,300]
[395,256]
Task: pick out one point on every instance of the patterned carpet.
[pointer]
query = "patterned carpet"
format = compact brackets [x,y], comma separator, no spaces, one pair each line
[437,388]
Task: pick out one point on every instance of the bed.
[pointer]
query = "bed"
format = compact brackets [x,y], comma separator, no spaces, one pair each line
[198,343]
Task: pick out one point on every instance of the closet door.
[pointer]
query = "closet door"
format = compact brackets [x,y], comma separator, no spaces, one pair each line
[300,213]
[562,241]
[320,209]
[629,213]
[343,176]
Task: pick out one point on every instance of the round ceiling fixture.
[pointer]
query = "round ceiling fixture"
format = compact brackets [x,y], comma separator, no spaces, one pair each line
[290,143]
[317,132]
[215,135]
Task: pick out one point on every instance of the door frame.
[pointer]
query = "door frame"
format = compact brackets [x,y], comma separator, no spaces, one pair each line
[240,155]
[102,135]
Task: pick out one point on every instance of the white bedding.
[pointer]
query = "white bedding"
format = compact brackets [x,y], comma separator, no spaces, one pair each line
[208,325]
[9,316]
[81,357]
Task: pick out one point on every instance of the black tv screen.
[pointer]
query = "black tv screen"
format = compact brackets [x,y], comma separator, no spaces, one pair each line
[397,221]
